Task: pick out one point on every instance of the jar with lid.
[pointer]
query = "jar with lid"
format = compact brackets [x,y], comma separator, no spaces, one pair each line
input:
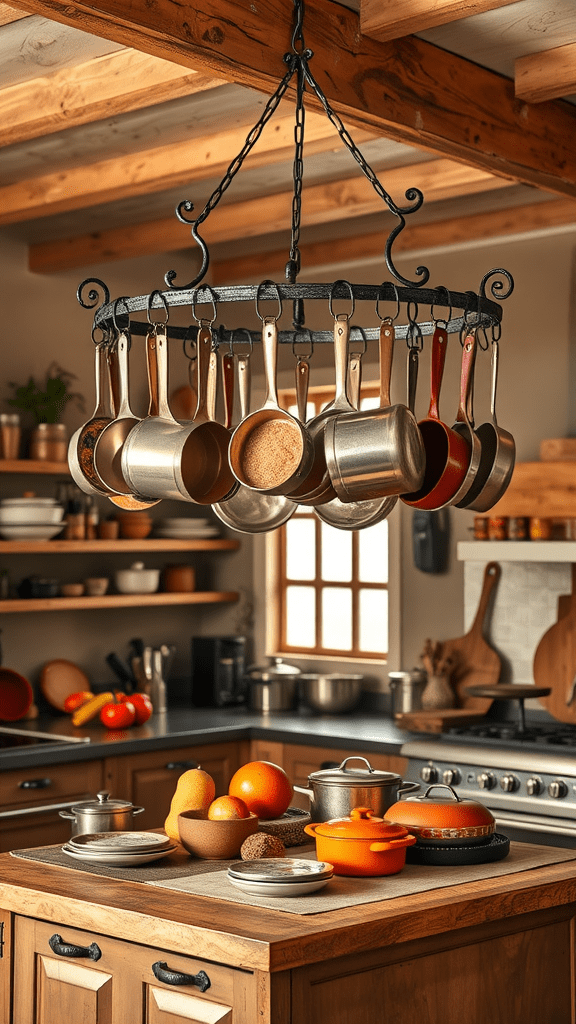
[49,442]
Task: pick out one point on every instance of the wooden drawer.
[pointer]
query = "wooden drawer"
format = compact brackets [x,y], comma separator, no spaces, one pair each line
[24,787]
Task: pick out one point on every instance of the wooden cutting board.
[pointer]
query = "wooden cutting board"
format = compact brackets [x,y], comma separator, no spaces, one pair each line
[436,721]
[477,663]
[555,658]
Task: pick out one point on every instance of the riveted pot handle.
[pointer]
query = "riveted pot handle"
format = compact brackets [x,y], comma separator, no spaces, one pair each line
[393,844]
[137,810]
[305,792]
[409,787]
[355,758]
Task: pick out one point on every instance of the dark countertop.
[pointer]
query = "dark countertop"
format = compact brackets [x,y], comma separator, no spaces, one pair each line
[183,726]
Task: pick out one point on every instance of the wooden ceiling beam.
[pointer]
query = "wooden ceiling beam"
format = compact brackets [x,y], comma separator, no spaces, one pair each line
[329,201]
[100,88]
[396,18]
[406,89]
[442,234]
[546,75]
[9,14]
[155,170]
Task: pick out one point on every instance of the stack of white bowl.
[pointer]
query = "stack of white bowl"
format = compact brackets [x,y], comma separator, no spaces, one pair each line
[30,518]
[186,528]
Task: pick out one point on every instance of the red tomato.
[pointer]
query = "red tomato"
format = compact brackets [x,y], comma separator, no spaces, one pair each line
[118,716]
[142,705]
[76,700]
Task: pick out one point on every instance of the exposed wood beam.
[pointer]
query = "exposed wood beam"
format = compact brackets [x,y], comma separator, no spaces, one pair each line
[100,88]
[329,201]
[397,18]
[155,170]
[406,89]
[518,220]
[546,75]
[9,14]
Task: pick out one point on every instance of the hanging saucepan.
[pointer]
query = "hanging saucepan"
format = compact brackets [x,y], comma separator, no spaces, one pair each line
[447,452]
[249,511]
[353,515]
[83,440]
[110,441]
[228,387]
[443,821]
[498,455]
[464,424]
[271,451]
[375,453]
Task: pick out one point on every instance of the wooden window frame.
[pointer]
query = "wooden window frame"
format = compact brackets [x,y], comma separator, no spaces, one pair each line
[278,620]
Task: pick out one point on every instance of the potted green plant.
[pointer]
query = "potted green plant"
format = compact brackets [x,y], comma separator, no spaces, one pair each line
[46,404]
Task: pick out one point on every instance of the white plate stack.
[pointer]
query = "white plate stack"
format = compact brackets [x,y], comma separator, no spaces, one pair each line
[186,528]
[280,876]
[30,518]
[119,849]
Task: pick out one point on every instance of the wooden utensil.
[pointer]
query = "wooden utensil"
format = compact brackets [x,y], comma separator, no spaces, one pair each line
[555,661]
[436,721]
[476,663]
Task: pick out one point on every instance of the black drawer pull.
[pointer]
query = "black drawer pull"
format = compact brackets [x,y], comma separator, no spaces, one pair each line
[91,952]
[35,784]
[173,765]
[163,973]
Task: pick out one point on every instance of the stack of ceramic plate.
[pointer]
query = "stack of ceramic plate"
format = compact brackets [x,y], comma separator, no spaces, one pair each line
[280,876]
[30,518]
[119,849]
[186,528]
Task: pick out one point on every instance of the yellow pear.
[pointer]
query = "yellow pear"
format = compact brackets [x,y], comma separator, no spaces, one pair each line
[195,791]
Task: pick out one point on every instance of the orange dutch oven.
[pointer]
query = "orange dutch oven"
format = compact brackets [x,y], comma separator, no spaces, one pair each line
[444,821]
[361,844]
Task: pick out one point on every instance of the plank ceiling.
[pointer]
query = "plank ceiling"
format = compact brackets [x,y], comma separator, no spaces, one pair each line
[99,140]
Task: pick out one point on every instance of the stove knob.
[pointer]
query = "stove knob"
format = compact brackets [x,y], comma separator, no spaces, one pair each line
[557,789]
[451,777]
[534,786]
[486,780]
[429,774]
[509,783]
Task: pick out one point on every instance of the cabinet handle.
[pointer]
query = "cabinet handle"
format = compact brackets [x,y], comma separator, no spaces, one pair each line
[91,952]
[35,784]
[163,973]
[173,765]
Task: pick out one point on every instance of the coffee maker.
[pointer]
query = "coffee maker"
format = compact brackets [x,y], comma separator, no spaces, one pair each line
[218,671]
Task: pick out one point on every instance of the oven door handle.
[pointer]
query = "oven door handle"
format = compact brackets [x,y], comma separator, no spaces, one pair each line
[538,825]
[39,809]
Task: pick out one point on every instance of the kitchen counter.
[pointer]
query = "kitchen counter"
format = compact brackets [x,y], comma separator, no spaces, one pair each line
[178,726]
[493,951]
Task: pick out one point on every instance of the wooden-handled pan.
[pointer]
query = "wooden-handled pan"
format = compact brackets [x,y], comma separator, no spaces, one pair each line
[555,662]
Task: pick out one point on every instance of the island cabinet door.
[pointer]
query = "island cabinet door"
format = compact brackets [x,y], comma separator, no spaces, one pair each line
[65,975]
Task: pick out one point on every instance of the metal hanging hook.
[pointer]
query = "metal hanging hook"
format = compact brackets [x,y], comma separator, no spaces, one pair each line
[388,319]
[243,330]
[258,300]
[153,294]
[442,321]
[364,339]
[303,356]
[341,316]
[204,321]
[117,327]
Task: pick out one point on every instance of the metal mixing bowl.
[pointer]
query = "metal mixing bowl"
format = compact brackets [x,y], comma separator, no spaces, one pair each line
[331,693]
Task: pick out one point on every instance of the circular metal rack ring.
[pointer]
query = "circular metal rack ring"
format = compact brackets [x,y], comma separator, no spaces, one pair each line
[486,312]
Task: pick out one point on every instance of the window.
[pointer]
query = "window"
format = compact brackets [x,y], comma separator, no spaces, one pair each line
[331,585]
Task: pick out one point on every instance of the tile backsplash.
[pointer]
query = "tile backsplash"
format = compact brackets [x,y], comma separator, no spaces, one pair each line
[524,607]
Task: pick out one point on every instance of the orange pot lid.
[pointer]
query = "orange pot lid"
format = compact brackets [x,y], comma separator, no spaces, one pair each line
[361,824]
[447,811]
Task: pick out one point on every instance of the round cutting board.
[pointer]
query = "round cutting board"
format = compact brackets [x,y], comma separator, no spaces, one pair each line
[60,678]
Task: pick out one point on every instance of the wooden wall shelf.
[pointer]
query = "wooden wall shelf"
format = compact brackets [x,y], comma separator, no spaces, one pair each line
[517,551]
[62,604]
[545,489]
[34,466]
[78,547]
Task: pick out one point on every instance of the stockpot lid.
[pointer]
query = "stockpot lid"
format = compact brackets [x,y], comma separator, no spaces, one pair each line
[276,669]
[361,824]
[103,805]
[365,777]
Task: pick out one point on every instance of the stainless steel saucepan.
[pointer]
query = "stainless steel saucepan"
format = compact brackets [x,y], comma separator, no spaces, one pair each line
[334,792]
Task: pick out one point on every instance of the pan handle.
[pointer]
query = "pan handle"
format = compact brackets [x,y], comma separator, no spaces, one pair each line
[408,787]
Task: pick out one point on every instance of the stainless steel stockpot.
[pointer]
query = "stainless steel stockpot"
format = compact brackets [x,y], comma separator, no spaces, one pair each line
[335,792]
[101,815]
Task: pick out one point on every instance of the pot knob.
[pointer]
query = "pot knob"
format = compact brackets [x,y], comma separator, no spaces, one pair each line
[429,774]
[557,789]
[509,783]
[486,780]
[451,777]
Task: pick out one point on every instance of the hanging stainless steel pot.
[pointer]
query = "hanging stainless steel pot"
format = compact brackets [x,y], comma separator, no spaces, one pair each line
[335,792]
[101,815]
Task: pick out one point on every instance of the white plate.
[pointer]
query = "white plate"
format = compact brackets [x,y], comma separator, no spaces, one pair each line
[43,515]
[28,502]
[29,532]
[119,860]
[120,842]
[187,534]
[281,870]
[278,888]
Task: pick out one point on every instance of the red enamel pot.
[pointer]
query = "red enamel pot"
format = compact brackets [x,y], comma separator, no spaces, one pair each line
[447,451]
[362,844]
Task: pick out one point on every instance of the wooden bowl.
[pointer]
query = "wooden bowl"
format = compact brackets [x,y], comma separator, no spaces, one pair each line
[214,840]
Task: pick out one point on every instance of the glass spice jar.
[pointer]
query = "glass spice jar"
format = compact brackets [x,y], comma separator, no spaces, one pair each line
[540,529]
[498,528]
[517,528]
[480,527]
[49,442]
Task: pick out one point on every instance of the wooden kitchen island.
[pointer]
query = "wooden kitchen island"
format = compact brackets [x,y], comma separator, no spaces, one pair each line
[497,951]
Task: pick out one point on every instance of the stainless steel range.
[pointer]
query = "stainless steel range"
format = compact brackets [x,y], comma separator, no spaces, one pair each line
[527,780]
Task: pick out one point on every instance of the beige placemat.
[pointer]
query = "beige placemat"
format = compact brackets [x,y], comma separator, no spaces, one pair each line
[349,892]
[176,865]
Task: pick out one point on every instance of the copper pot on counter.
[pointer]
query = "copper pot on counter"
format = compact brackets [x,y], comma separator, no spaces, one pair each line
[444,821]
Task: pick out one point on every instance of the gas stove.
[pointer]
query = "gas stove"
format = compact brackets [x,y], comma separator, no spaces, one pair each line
[529,783]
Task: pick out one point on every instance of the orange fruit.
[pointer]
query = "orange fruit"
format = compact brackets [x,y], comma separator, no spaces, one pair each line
[195,791]
[226,807]
[264,787]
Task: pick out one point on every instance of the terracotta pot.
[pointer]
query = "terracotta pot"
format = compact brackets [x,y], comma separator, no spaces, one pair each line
[361,844]
[444,821]
[180,579]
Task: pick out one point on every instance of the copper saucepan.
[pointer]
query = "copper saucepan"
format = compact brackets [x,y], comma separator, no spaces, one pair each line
[83,440]
[498,455]
[464,424]
[447,452]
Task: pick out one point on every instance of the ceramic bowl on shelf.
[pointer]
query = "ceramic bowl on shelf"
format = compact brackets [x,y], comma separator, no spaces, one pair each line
[137,579]
[30,514]
[72,589]
[96,586]
[29,531]
[214,840]
[134,525]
